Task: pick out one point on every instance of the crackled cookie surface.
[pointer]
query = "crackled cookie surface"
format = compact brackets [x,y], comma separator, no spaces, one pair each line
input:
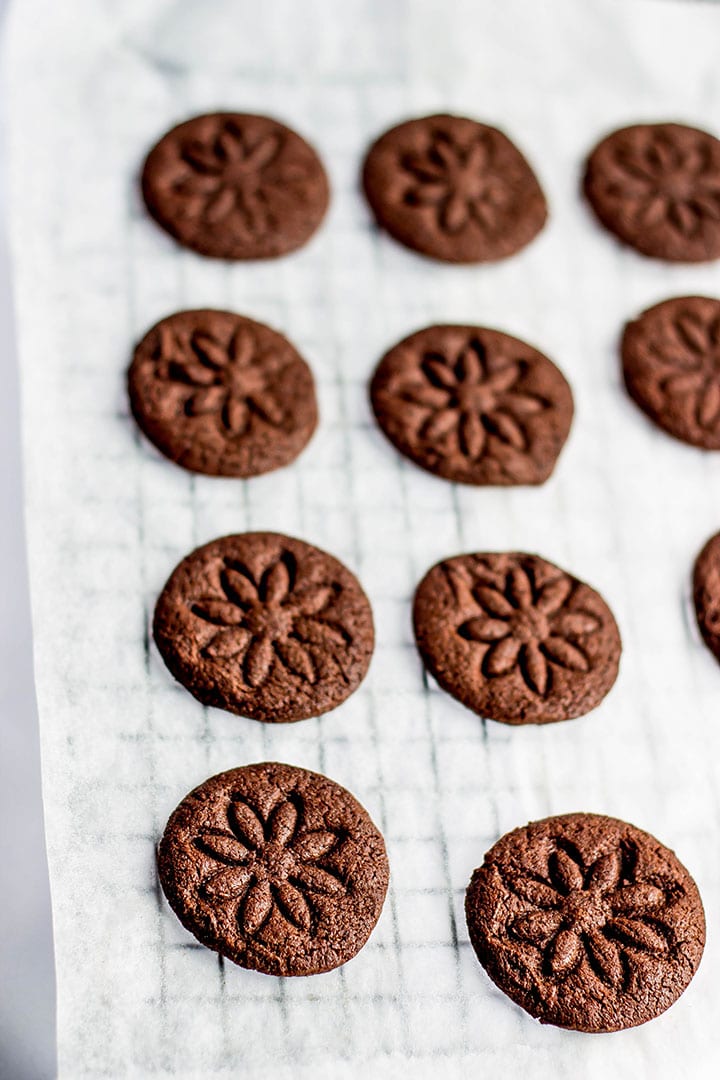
[586,922]
[453,189]
[265,626]
[236,186]
[515,638]
[279,869]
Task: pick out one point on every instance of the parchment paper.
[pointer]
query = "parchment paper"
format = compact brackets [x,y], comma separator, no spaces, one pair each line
[93,83]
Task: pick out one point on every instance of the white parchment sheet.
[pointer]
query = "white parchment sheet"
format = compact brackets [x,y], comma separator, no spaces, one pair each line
[93,83]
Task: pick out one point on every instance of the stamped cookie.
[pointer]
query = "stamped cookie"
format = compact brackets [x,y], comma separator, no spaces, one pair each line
[265,626]
[221,394]
[453,189]
[515,638]
[279,869]
[671,366]
[473,405]
[586,922]
[236,186]
[657,188]
[706,594]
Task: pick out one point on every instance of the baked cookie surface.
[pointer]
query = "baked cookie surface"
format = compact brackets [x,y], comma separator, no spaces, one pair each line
[515,638]
[221,394]
[454,189]
[706,594]
[473,405]
[656,187]
[279,869]
[235,186]
[671,367]
[586,922]
[265,626]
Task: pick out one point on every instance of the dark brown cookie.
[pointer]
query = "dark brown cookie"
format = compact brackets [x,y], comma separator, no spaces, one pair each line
[671,365]
[473,405]
[236,186]
[657,188]
[265,626]
[706,593]
[516,639]
[279,869]
[453,189]
[586,922]
[221,394]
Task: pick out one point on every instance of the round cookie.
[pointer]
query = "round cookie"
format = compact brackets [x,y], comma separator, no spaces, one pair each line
[657,188]
[221,394]
[706,594]
[671,366]
[265,626]
[473,405]
[277,868]
[236,186]
[453,189]
[515,638]
[586,922]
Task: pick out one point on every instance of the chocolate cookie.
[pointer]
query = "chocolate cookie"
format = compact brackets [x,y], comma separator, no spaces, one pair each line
[265,626]
[515,638]
[671,365]
[706,593]
[279,869]
[473,405]
[236,186]
[221,394]
[453,189]
[657,188]
[586,922]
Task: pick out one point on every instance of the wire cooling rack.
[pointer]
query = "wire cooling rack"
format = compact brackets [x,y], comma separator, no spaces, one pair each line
[93,84]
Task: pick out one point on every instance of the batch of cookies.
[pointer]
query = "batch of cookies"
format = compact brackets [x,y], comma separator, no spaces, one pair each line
[585,921]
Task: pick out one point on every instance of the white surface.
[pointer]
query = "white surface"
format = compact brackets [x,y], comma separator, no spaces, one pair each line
[27,978]
[94,83]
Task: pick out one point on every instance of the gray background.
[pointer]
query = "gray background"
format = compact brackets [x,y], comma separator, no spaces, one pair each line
[27,987]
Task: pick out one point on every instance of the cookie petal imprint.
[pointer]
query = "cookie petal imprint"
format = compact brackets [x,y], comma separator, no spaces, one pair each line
[279,869]
[515,638]
[265,626]
[221,394]
[473,405]
[657,188]
[706,594]
[236,186]
[453,189]
[586,922]
[671,367]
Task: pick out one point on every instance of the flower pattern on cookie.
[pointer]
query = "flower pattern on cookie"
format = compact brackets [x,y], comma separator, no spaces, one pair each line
[454,189]
[233,175]
[272,619]
[662,179]
[232,381]
[473,405]
[671,366]
[603,913]
[235,186]
[269,865]
[527,627]
[468,395]
[690,353]
[458,181]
